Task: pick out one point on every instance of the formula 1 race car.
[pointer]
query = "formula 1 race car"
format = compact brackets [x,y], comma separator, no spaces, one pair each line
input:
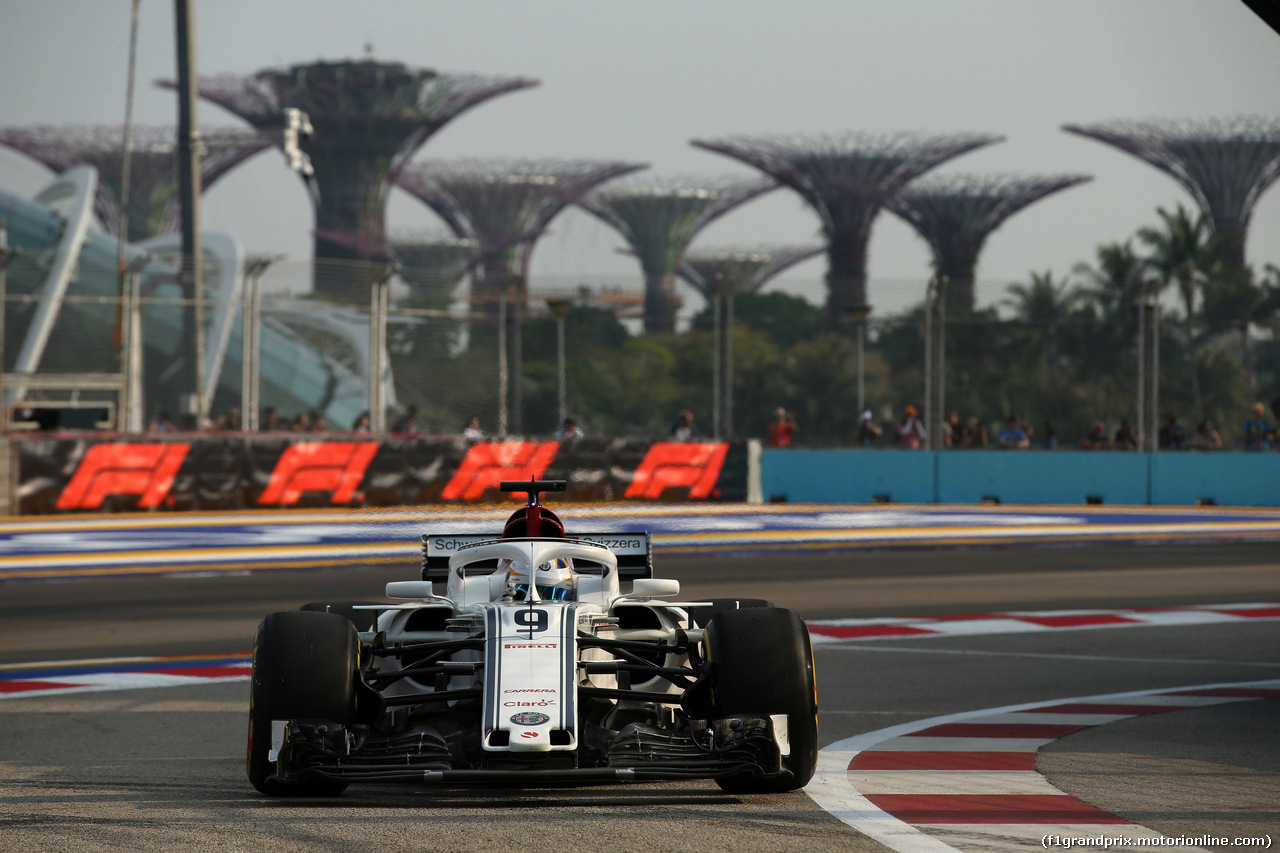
[533,666]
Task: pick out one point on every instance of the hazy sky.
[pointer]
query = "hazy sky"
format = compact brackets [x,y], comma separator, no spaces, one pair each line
[637,80]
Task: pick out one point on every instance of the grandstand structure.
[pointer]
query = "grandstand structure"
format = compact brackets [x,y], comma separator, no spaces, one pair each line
[847,178]
[63,301]
[153,167]
[505,205]
[369,117]
[659,218]
[1225,164]
[955,214]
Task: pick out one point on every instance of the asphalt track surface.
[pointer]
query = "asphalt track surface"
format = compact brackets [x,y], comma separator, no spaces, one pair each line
[156,769]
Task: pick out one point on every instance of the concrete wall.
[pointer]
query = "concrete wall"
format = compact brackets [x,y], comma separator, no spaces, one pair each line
[1016,477]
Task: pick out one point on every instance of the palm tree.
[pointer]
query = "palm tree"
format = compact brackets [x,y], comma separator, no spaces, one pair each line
[1186,254]
[1043,306]
[1110,297]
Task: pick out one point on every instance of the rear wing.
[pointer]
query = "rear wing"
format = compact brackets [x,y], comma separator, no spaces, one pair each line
[633,550]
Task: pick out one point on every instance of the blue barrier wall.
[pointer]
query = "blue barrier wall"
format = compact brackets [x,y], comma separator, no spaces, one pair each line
[1017,477]
[846,476]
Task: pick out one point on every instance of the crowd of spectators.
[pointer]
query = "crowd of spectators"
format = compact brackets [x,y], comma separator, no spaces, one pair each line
[1256,433]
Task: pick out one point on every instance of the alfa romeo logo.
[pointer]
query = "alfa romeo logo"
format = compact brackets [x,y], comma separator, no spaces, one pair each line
[530,718]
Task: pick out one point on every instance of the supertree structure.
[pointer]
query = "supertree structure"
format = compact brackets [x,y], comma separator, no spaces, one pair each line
[432,264]
[506,205]
[153,166]
[658,219]
[847,178]
[956,213]
[740,270]
[369,118]
[1226,164]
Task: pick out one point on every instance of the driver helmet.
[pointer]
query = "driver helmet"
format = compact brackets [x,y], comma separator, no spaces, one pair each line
[553,580]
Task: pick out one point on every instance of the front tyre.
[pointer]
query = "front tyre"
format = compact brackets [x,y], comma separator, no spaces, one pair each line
[304,667]
[762,663]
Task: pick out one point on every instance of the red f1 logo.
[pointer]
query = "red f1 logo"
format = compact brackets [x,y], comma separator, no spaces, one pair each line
[319,466]
[124,469]
[488,464]
[677,464]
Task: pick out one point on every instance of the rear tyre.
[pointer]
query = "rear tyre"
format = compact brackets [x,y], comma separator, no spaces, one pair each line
[304,667]
[762,663]
[364,620]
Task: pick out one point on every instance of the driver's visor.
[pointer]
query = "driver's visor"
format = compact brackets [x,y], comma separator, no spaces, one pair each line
[520,592]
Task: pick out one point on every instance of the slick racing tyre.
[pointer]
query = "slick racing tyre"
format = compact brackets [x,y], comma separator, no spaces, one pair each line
[304,667]
[762,663]
[364,620]
[701,615]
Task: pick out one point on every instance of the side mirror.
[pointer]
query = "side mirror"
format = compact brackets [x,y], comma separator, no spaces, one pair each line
[411,589]
[655,587]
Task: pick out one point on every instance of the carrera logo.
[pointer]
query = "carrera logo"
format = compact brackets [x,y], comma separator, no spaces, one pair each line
[319,466]
[679,465]
[530,690]
[486,465]
[124,469]
[529,645]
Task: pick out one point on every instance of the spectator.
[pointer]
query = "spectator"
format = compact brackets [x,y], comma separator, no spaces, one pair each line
[301,422]
[317,422]
[781,428]
[868,433]
[234,423]
[1257,432]
[975,436]
[952,431]
[567,431]
[1207,438]
[910,430]
[408,422]
[161,423]
[1172,436]
[270,420]
[362,423]
[682,429]
[1126,436]
[471,432]
[1095,438]
[1013,436]
[1050,440]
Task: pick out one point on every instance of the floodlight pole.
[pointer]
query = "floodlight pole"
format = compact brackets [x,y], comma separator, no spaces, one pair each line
[189,149]
[717,346]
[378,304]
[859,314]
[502,365]
[560,307]
[251,339]
[7,257]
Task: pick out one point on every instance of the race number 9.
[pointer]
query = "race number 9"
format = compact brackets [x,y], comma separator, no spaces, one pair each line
[534,619]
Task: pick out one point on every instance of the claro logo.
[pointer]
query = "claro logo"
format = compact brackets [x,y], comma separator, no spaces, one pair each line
[124,469]
[679,465]
[319,466]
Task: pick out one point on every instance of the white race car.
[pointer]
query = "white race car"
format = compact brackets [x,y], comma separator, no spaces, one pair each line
[530,665]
